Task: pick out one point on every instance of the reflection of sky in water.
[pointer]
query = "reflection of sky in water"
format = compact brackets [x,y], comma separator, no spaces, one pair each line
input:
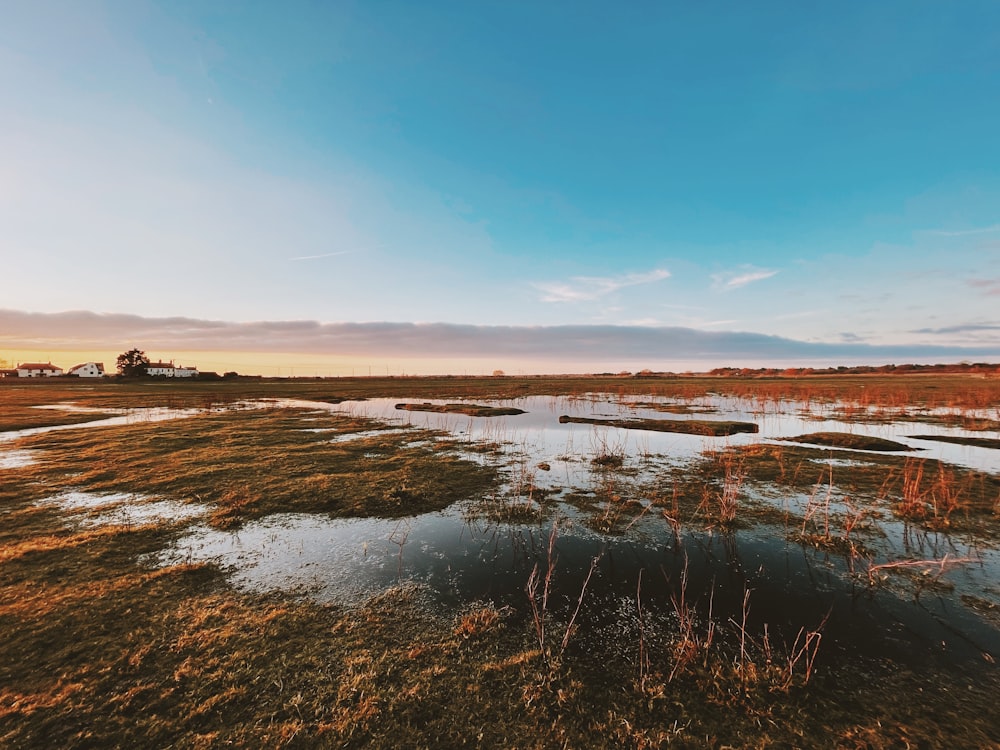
[458,560]
[541,437]
[347,560]
[121,508]
[16,459]
[125,417]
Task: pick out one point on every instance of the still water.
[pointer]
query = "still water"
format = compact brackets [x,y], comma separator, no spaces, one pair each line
[456,558]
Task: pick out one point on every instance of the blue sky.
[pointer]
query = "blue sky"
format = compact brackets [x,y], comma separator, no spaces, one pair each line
[828,175]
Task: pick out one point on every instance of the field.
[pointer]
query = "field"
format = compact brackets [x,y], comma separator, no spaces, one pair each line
[501,562]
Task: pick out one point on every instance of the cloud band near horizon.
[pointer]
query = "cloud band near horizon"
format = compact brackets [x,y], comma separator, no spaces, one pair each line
[75,330]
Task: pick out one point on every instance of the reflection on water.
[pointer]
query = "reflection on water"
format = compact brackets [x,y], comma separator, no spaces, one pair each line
[16,459]
[912,614]
[539,432]
[124,417]
[90,509]
[459,561]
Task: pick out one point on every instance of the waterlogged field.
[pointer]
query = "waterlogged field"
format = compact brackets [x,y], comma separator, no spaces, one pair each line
[603,562]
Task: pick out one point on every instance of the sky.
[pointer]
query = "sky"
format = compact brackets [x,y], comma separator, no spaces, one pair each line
[457,187]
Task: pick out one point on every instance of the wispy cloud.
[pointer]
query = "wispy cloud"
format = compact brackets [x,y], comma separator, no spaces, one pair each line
[966,232]
[324,255]
[963,328]
[728,322]
[655,345]
[585,288]
[989,287]
[739,277]
[800,314]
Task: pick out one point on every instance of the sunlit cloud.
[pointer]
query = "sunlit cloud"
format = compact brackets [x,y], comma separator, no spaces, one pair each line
[586,288]
[736,278]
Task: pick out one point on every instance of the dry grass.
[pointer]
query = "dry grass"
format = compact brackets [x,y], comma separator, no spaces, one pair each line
[958,392]
[246,464]
[101,650]
[926,491]
[26,417]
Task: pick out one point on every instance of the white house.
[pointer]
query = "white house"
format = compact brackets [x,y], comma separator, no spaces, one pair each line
[88,370]
[170,370]
[36,370]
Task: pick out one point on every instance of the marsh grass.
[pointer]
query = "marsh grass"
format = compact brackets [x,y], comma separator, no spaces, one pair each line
[26,417]
[957,392]
[926,491]
[100,649]
[120,655]
[823,528]
[850,441]
[246,464]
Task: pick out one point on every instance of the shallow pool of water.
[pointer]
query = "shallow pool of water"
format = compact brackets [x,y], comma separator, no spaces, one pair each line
[92,509]
[911,613]
[539,433]
[460,561]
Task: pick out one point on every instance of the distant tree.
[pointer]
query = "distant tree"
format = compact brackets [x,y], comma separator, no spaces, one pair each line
[133,363]
[498,373]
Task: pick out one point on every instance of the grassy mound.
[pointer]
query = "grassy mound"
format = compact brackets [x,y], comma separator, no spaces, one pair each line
[848,440]
[712,428]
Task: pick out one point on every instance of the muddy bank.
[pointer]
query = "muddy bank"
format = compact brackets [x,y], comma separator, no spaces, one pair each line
[675,408]
[975,442]
[712,428]
[850,441]
[469,410]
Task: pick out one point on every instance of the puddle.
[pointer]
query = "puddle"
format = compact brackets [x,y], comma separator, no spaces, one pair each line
[539,433]
[127,417]
[911,614]
[458,561]
[16,459]
[92,510]
[835,462]
[350,437]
